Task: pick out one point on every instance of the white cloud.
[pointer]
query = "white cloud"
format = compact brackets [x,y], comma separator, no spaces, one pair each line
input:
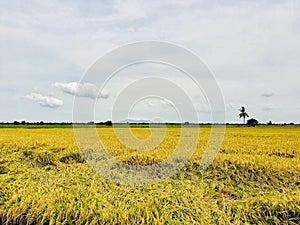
[87,90]
[267,108]
[267,95]
[231,107]
[167,102]
[70,88]
[45,101]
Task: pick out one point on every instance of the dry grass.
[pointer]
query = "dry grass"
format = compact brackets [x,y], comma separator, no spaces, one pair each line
[254,180]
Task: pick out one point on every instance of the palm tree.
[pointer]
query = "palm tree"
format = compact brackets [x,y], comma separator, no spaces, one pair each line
[243,113]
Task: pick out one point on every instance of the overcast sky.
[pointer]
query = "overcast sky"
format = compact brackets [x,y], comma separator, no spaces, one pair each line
[251,47]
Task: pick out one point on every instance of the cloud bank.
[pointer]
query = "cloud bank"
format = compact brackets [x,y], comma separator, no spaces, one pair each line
[252,47]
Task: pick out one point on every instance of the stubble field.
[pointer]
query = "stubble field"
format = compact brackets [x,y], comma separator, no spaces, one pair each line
[255,179]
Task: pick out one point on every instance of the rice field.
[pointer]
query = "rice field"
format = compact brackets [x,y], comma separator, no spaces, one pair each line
[255,179]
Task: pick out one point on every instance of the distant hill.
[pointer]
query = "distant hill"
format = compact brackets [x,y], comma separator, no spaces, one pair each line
[135,121]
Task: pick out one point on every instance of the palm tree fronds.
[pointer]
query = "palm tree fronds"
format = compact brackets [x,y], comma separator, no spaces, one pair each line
[243,113]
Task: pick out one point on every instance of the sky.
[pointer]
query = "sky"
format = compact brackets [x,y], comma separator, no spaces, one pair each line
[252,48]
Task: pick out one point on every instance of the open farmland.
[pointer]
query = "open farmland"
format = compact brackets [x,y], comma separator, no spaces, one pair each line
[255,179]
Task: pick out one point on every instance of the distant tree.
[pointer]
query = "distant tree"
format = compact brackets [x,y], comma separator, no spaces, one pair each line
[23,122]
[269,123]
[108,123]
[243,113]
[252,122]
[16,122]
